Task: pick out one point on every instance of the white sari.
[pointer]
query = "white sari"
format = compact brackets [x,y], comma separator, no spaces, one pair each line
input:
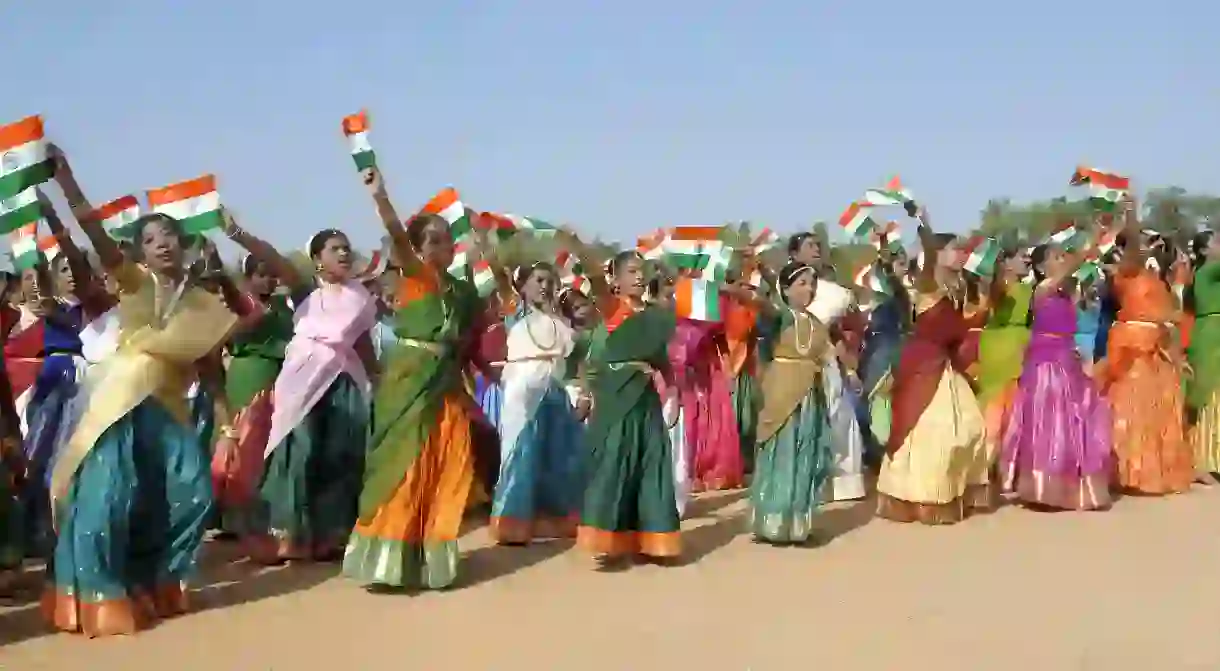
[831,302]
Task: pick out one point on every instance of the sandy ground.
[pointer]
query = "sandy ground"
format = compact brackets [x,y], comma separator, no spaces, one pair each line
[1134,588]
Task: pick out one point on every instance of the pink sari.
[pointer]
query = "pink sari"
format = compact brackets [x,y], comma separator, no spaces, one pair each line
[707,405]
[328,323]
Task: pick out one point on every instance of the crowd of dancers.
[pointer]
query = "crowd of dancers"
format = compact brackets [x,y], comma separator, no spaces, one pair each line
[356,415]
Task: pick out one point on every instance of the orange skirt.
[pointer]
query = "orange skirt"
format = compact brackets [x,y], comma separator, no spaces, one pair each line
[411,541]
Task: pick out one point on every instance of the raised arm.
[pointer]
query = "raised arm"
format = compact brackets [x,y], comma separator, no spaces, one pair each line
[263,252]
[926,280]
[107,249]
[1133,249]
[403,248]
[88,284]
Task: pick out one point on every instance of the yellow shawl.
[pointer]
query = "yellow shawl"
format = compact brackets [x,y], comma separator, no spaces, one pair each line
[155,357]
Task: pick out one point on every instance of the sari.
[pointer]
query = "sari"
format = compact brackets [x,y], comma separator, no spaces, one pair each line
[741,365]
[421,456]
[629,505]
[1001,348]
[12,468]
[314,455]
[831,303]
[24,352]
[50,416]
[1056,447]
[1202,388]
[256,356]
[1088,320]
[794,455]
[133,477]
[709,423]
[936,465]
[537,493]
[975,317]
[882,347]
[1145,390]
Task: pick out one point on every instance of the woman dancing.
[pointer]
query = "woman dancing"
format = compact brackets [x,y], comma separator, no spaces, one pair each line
[794,453]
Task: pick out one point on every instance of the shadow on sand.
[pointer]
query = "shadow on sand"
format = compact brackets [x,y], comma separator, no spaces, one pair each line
[229,579]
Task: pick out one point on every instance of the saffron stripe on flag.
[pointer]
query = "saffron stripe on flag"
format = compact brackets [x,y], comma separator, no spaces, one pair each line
[117,217]
[356,127]
[697,299]
[856,221]
[447,205]
[194,203]
[23,244]
[23,156]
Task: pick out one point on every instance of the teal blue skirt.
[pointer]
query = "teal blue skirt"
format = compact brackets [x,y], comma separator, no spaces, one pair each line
[791,471]
[311,483]
[135,512]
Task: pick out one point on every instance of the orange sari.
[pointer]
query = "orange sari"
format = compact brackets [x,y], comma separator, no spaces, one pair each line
[1142,379]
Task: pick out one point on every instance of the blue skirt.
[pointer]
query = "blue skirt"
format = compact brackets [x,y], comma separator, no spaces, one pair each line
[538,491]
[51,417]
[491,399]
[131,524]
[792,473]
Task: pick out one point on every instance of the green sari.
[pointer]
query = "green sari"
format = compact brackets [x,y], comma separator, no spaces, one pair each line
[420,467]
[1204,357]
[1003,340]
[258,354]
[629,504]
[793,467]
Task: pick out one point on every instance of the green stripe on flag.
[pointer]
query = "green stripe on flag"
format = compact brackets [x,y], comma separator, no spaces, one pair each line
[13,183]
[19,210]
[201,223]
[365,159]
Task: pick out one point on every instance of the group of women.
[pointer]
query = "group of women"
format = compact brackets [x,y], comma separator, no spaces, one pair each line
[326,414]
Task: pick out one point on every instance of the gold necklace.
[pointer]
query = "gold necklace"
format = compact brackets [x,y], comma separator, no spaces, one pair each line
[796,332]
[530,332]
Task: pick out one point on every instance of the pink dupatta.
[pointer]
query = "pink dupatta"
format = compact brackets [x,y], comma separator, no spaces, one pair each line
[322,347]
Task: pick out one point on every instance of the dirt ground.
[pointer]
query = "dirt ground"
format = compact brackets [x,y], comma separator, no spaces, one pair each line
[1133,588]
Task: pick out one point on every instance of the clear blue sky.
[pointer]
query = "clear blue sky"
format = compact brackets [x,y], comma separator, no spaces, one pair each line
[619,117]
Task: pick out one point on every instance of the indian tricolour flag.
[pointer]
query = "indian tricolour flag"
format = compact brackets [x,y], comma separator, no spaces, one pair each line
[484,278]
[893,237]
[1063,235]
[855,220]
[448,206]
[567,265]
[981,253]
[117,217]
[20,210]
[356,128]
[195,204]
[698,299]
[767,239]
[461,260]
[892,194]
[1105,188]
[29,250]
[1106,241]
[868,277]
[499,225]
[23,157]
[535,226]
[652,246]
[1088,271]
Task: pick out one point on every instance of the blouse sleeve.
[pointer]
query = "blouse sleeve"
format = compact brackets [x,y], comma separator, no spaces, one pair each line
[128,277]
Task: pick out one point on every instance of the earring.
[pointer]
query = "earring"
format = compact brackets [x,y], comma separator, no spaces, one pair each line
[318,268]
